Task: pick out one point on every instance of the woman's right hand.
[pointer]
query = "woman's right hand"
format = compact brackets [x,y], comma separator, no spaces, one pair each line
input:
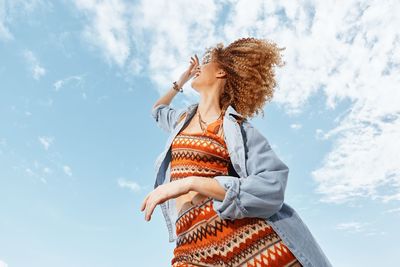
[190,71]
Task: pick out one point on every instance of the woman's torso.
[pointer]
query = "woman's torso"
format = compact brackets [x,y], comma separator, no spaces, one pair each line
[286,221]
[196,153]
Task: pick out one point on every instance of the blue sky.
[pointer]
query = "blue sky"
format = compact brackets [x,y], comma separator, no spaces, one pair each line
[78,143]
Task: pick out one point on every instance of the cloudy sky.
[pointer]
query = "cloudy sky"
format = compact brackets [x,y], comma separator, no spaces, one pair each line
[77,140]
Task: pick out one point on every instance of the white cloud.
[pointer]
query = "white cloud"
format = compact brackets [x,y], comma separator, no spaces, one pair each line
[155,30]
[296,126]
[36,69]
[5,33]
[67,170]
[395,210]
[170,40]
[359,227]
[46,141]
[362,53]
[129,184]
[39,171]
[108,28]
[30,172]
[3,264]
[13,10]
[61,83]
[352,226]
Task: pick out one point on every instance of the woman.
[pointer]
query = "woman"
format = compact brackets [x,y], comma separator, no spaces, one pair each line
[218,182]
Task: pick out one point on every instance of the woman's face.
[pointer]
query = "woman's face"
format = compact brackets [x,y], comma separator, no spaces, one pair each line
[208,75]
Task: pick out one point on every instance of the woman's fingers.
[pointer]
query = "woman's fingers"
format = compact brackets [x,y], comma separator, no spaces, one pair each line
[151,204]
[194,65]
[144,202]
[150,210]
[193,62]
[148,205]
[197,59]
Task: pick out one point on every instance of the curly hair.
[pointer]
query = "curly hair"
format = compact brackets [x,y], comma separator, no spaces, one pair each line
[250,81]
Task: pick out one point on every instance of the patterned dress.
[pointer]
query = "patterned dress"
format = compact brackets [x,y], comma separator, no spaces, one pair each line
[203,239]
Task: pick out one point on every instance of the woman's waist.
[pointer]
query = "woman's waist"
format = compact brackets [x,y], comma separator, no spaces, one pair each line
[188,200]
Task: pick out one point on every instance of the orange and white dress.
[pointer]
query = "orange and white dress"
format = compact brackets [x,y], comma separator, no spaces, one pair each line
[204,239]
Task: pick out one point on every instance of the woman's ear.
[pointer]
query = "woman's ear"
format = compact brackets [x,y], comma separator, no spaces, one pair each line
[221,73]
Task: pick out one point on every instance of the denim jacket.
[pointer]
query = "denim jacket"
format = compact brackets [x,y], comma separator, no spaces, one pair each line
[255,185]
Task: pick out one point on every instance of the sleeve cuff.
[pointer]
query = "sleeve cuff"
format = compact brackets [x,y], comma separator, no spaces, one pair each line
[154,111]
[229,205]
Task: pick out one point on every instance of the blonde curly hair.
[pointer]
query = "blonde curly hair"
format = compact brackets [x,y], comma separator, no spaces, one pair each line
[250,82]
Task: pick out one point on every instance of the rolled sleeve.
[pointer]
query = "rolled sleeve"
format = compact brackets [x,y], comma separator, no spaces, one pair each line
[261,193]
[230,207]
[166,116]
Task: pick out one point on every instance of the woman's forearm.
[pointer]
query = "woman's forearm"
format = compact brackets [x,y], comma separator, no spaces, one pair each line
[169,95]
[208,187]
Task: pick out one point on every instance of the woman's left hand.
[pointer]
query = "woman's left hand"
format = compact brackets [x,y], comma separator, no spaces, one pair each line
[164,192]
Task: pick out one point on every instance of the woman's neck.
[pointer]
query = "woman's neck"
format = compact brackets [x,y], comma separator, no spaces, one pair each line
[209,109]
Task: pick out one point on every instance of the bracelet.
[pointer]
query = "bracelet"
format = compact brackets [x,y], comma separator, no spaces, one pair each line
[176,87]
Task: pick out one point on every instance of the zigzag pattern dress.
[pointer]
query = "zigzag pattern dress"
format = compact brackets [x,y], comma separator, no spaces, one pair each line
[203,239]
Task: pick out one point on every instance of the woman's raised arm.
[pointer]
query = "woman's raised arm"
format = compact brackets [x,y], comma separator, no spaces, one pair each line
[165,115]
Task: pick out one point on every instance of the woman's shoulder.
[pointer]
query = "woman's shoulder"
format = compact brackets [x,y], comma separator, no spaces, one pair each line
[253,134]
[244,123]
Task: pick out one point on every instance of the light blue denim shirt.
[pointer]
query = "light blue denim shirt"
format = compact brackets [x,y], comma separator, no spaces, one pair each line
[256,189]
